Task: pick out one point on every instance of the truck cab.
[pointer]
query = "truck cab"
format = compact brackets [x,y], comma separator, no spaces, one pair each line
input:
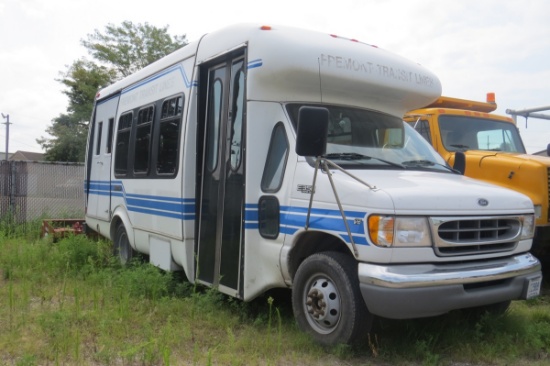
[493,149]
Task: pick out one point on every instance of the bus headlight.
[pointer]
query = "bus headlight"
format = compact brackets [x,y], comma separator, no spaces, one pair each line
[387,231]
[527,227]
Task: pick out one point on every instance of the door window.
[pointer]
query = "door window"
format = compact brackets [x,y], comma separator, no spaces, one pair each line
[277,154]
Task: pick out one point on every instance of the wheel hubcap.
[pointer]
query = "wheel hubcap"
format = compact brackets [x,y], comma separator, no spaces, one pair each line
[323,304]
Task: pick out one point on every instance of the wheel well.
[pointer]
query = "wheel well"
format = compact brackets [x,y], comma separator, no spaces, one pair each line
[114,225]
[312,242]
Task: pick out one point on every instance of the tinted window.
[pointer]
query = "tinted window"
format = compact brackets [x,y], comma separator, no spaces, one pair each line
[213,125]
[143,139]
[110,135]
[123,144]
[169,132]
[237,115]
[99,132]
[276,160]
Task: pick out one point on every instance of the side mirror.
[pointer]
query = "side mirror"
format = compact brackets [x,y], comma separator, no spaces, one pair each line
[460,162]
[311,136]
[548,149]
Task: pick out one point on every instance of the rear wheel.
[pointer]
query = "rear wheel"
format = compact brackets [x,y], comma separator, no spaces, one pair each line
[326,299]
[121,246]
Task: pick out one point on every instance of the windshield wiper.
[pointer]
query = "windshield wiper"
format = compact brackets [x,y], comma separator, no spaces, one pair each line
[347,156]
[459,146]
[356,156]
[425,163]
[419,162]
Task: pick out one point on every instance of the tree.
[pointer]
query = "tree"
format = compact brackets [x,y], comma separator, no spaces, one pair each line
[130,47]
[69,130]
[69,142]
[118,52]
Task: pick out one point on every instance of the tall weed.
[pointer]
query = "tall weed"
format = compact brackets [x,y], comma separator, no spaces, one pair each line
[72,303]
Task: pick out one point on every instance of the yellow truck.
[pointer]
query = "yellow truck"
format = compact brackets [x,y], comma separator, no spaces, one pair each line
[493,151]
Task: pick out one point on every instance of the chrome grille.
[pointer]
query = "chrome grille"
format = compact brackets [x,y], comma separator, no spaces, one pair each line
[468,236]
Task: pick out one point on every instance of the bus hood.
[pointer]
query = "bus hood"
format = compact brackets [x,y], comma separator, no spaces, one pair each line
[428,193]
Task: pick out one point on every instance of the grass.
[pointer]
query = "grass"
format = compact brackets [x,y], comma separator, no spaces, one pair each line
[71,303]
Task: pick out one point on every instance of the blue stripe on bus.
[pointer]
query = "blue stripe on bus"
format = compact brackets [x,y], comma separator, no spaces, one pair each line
[292,218]
[255,63]
[188,83]
[179,208]
[174,215]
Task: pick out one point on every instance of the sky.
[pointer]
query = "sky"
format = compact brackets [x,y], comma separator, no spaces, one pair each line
[473,46]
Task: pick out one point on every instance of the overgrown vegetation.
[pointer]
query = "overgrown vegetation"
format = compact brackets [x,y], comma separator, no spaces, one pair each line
[72,303]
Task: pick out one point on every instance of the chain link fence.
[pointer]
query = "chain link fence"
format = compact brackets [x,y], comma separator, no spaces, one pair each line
[33,190]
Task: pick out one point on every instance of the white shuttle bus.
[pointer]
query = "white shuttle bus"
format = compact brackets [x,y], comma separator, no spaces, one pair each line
[260,157]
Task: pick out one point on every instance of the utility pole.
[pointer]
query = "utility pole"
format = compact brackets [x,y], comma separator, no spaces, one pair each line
[7,123]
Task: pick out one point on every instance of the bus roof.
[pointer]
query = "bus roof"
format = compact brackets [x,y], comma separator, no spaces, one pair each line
[288,64]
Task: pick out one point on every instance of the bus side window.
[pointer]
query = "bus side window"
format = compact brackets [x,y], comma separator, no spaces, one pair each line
[98,142]
[168,139]
[143,140]
[110,135]
[123,144]
[273,175]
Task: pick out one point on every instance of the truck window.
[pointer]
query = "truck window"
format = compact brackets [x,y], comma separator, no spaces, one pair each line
[497,140]
[460,133]
[423,128]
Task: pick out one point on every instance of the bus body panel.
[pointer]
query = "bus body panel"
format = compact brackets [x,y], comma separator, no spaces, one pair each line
[205,178]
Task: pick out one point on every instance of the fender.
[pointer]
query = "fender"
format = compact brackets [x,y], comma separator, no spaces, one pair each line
[120,214]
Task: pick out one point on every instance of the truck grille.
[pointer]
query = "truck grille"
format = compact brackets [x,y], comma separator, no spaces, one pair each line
[468,236]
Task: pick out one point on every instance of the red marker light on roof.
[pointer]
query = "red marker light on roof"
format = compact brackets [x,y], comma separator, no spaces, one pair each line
[265,27]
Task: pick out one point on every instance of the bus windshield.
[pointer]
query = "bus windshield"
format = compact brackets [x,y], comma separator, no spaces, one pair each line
[460,133]
[362,139]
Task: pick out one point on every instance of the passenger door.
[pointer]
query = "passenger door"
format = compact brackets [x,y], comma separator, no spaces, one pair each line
[99,166]
[221,182]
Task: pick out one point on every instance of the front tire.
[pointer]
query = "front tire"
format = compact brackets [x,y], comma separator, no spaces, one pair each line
[122,247]
[327,302]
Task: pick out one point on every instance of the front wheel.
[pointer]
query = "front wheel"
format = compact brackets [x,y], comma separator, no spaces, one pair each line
[122,247]
[326,299]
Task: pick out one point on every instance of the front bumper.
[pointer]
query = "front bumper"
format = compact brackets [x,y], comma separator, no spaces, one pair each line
[421,290]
